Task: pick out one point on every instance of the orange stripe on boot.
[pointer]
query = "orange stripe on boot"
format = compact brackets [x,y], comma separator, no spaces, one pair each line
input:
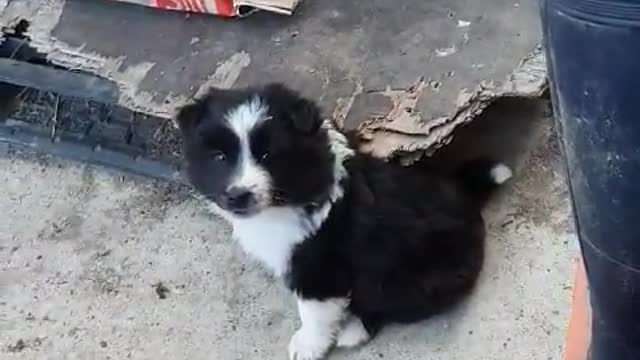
[579,331]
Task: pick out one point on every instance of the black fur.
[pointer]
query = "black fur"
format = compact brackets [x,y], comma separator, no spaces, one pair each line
[403,243]
[300,161]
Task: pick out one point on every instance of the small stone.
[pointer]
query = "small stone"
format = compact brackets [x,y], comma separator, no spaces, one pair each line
[161,290]
[103,253]
[103,344]
[18,347]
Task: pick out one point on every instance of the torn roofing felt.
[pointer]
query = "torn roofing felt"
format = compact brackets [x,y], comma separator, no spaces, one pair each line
[404,77]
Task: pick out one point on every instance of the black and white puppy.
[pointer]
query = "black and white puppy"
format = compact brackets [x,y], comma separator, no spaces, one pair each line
[360,242]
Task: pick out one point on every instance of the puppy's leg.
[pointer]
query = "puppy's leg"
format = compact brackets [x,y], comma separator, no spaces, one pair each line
[321,321]
[353,333]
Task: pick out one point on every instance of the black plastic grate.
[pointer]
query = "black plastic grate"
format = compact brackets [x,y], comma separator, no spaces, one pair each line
[85,130]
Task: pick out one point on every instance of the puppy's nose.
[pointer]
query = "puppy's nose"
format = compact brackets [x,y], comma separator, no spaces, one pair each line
[240,199]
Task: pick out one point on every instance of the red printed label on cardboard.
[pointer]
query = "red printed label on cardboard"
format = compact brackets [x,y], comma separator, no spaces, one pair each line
[220,7]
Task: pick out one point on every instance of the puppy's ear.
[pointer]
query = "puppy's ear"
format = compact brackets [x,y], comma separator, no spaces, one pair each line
[302,114]
[190,115]
[306,117]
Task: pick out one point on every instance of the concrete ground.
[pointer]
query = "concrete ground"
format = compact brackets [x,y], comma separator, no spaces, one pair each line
[95,265]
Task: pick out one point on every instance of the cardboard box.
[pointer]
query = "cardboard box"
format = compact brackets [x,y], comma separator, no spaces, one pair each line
[226,8]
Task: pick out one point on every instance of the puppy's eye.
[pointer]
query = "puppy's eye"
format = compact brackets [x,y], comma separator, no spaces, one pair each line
[218,156]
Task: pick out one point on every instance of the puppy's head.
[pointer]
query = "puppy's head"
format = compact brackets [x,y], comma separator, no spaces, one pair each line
[247,150]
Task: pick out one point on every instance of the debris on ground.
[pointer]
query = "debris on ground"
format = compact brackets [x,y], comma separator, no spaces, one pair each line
[161,290]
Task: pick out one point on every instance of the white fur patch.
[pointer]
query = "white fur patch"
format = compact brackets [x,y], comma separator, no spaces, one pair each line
[249,175]
[501,173]
[320,324]
[270,235]
[247,116]
[341,150]
[352,334]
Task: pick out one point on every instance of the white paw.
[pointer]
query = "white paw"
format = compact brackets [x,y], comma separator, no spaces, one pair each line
[308,345]
[352,334]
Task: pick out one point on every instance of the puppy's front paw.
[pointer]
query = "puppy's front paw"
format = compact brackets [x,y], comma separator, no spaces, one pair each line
[308,345]
[353,334]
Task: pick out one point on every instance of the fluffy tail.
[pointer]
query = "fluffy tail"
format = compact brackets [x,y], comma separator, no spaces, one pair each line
[481,176]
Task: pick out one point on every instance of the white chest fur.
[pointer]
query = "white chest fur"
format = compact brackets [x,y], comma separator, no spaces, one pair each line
[271,235]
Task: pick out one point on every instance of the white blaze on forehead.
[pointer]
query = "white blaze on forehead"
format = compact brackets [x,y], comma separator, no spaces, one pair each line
[249,174]
[247,116]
